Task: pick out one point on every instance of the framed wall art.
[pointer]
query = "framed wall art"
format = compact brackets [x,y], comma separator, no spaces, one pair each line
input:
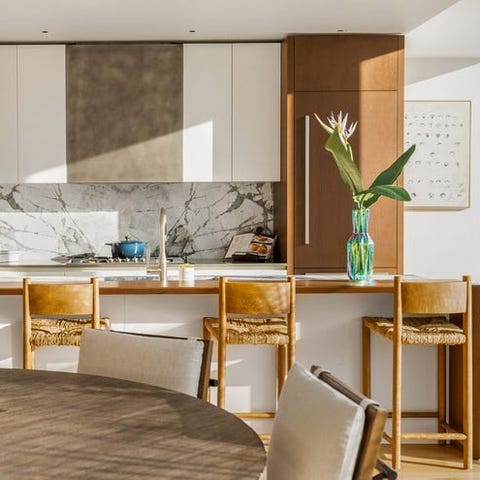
[438,174]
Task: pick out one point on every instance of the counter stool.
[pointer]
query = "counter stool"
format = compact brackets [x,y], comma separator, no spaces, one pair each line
[254,313]
[55,314]
[433,300]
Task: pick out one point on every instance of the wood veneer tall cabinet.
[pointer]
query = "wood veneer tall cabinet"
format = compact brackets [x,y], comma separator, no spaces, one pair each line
[364,76]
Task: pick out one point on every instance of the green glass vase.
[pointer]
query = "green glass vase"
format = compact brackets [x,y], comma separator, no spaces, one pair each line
[360,248]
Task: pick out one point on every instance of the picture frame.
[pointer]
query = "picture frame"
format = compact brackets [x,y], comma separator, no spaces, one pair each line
[438,174]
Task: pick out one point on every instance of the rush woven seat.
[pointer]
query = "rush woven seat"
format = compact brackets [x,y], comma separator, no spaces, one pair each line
[251,331]
[254,313]
[60,331]
[420,330]
[422,316]
[55,314]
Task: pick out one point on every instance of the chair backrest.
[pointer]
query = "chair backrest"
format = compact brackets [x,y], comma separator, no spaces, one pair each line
[265,298]
[323,429]
[61,299]
[177,363]
[432,296]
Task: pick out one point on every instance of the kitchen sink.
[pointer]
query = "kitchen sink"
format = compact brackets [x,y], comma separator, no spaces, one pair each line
[120,278]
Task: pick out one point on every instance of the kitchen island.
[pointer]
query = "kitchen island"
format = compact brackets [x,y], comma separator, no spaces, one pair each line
[328,330]
[328,333]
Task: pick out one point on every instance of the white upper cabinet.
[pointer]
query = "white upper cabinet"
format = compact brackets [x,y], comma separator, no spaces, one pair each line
[32,114]
[8,114]
[231,112]
[207,112]
[41,114]
[256,112]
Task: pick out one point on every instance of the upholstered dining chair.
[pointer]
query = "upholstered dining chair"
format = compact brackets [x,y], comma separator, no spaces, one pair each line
[325,430]
[254,313]
[178,363]
[56,314]
[421,317]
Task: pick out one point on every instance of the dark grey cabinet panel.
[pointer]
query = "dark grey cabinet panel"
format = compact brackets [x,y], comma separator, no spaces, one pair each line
[124,112]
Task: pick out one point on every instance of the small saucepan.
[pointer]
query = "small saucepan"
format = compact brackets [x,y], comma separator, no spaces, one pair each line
[128,248]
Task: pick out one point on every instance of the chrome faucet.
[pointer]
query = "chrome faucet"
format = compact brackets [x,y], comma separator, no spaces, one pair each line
[162,257]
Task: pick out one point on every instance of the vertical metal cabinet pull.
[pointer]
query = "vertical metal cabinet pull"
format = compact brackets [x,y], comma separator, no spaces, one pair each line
[307,179]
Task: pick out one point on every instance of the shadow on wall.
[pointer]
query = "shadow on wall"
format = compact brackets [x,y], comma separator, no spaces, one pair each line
[419,69]
[11,345]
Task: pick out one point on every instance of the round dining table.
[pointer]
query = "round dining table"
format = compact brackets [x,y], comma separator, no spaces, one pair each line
[57,425]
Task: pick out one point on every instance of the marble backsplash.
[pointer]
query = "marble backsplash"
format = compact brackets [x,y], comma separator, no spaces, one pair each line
[44,221]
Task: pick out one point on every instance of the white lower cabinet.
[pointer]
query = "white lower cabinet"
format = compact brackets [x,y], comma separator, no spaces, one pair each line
[231,112]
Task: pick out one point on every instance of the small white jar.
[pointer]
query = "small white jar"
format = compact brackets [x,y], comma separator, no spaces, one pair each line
[186,273]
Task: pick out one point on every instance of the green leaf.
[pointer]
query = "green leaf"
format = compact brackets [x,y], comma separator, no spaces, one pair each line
[370,199]
[388,176]
[391,191]
[342,153]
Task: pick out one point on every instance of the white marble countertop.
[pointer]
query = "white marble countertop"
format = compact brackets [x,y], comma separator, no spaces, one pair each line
[66,271]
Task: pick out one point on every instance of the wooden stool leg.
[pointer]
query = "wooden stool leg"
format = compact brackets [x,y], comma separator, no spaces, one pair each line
[207,336]
[206,332]
[397,406]
[27,357]
[467,401]
[222,367]
[281,367]
[27,348]
[290,349]
[366,361]
[442,389]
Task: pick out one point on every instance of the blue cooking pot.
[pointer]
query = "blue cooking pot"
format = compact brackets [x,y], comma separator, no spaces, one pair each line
[128,248]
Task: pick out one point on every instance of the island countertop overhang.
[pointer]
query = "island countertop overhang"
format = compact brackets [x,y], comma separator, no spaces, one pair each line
[202,287]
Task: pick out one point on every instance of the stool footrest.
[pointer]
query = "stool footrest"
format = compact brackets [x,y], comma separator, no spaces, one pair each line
[433,436]
[417,414]
[255,414]
[448,428]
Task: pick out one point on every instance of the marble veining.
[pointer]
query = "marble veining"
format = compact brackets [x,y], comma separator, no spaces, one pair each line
[44,221]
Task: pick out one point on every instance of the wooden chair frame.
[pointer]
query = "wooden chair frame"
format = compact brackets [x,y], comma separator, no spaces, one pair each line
[204,380]
[427,298]
[375,418]
[57,300]
[267,299]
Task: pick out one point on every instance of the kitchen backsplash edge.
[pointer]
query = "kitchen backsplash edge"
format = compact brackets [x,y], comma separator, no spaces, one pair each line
[43,221]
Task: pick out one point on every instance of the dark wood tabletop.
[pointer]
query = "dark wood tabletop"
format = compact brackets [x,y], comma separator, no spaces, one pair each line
[61,426]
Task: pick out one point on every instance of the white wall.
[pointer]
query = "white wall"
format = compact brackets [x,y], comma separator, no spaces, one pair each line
[446,243]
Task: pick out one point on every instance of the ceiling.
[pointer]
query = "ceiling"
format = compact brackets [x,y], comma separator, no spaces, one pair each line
[452,33]
[433,28]
[211,20]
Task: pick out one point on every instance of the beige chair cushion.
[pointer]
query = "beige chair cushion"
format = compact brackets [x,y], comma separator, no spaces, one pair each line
[316,433]
[165,362]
